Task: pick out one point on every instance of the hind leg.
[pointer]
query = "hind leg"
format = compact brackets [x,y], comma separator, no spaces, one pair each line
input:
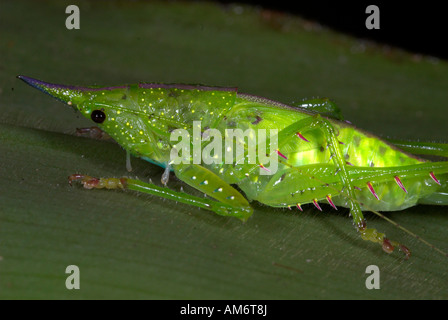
[347,190]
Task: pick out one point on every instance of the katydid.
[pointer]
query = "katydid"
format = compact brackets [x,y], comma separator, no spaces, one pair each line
[318,157]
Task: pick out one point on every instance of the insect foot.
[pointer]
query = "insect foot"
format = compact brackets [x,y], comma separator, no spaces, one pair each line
[90,182]
[387,245]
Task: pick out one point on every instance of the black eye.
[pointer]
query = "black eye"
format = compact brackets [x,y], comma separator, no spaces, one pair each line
[98,116]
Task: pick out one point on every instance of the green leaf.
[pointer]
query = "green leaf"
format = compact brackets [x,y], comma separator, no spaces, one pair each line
[137,246]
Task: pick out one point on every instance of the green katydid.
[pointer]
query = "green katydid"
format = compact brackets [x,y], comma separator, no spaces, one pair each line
[319,157]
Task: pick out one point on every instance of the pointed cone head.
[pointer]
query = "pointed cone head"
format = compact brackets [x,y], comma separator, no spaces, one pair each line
[93,102]
[72,95]
[116,111]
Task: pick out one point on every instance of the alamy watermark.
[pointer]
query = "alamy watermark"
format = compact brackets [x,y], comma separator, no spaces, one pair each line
[373,20]
[73,20]
[73,280]
[373,280]
[240,147]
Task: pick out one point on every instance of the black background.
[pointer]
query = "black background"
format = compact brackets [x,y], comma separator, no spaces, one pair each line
[415,26]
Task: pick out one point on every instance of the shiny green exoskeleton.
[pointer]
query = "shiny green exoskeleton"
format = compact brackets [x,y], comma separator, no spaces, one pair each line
[320,157]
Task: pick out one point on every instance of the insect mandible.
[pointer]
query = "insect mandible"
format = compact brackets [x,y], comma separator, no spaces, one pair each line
[277,154]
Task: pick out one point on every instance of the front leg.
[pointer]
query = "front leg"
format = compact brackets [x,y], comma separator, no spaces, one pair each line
[230,202]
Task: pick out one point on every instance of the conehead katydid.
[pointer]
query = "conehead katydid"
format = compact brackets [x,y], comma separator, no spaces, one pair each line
[318,157]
